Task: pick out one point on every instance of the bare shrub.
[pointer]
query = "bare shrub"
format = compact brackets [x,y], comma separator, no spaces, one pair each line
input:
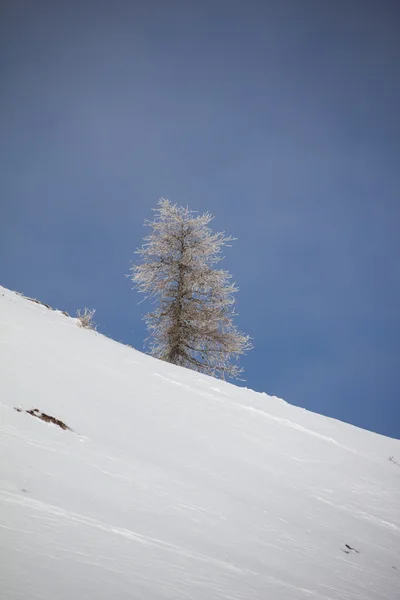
[85,318]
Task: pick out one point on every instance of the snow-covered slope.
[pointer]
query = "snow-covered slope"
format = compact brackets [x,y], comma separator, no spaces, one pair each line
[176,485]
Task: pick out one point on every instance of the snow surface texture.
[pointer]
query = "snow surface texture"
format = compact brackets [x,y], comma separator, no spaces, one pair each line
[176,485]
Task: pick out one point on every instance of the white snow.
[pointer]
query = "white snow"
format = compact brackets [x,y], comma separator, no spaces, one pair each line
[176,485]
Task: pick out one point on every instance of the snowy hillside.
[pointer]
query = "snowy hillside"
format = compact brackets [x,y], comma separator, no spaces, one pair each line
[175,485]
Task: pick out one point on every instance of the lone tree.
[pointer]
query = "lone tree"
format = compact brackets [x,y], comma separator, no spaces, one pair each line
[192,324]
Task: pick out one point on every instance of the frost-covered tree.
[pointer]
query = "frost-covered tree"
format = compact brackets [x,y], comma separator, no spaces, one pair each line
[192,323]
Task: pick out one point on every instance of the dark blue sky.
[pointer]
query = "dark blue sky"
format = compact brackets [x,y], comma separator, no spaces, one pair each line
[280,117]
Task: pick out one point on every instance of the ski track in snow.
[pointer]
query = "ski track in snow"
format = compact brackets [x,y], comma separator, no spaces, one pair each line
[37,508]
[259,413]
[47,509]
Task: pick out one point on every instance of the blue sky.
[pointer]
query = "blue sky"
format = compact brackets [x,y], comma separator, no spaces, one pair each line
[280,117]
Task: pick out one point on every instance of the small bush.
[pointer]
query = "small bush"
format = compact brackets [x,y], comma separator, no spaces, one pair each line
[85,318]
